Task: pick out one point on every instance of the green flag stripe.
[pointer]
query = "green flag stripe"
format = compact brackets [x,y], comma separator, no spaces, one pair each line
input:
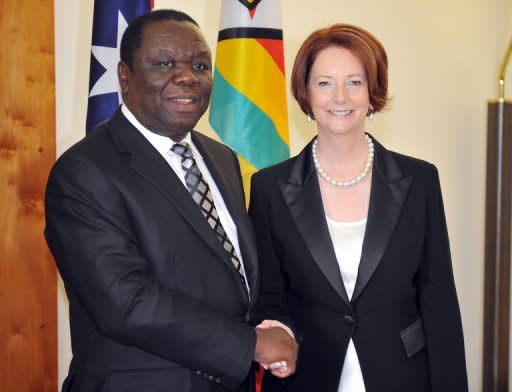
[244,127]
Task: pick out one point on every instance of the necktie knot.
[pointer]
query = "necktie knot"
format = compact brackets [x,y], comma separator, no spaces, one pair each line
[182,149]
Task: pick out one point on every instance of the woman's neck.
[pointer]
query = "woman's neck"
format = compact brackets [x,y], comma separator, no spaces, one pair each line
[343,153]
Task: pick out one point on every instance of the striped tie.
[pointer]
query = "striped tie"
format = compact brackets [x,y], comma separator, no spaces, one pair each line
[200,192]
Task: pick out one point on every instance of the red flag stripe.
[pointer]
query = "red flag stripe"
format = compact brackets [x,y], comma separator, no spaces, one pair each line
[275,48]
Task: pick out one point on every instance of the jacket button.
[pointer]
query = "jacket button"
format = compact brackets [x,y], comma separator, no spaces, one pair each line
[348,320]
[217,380]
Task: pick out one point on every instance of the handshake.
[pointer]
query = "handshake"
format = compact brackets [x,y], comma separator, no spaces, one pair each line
[276,348]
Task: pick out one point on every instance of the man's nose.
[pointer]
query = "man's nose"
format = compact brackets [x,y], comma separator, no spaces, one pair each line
[185,75]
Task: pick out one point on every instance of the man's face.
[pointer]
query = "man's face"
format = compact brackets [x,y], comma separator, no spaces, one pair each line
[168,88]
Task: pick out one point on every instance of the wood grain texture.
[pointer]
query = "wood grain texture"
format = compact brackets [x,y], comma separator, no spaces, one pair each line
[28,298]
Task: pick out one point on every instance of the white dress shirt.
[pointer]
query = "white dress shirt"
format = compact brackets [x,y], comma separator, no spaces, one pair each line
[163,145]
[347,238]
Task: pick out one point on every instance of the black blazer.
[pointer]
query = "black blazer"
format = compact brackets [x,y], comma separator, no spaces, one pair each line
[403,316]
[155,303]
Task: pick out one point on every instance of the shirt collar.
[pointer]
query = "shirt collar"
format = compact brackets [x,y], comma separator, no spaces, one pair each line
[162,143]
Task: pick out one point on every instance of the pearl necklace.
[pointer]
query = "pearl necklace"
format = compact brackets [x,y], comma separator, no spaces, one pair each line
[348,183]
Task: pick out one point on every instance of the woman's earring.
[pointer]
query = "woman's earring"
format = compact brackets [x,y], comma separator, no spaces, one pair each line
[309,118]
[370,112]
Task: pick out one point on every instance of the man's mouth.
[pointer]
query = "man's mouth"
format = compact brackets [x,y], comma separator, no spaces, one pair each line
[184,100]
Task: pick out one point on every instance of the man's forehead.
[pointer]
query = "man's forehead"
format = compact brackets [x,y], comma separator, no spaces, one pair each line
[191,50]
[183,35]
[173,28]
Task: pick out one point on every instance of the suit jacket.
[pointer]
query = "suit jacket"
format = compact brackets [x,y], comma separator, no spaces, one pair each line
[403,315]
[155,302]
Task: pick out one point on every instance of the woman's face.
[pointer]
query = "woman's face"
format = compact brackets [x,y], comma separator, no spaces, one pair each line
[338,92]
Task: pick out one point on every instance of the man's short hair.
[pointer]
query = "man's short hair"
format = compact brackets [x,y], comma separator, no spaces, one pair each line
[132,37]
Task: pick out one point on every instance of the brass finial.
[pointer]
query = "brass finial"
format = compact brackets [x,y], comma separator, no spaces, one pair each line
[503,70]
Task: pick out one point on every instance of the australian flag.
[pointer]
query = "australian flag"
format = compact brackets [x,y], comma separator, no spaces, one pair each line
[111,17]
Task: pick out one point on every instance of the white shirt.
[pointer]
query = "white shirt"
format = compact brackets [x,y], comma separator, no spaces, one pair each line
[163,145]
[347,238]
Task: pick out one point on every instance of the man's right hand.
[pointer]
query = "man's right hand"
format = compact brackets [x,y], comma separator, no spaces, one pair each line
[276,345]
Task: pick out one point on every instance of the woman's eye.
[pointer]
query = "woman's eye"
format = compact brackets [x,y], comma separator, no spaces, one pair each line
[323,83]
[355,82]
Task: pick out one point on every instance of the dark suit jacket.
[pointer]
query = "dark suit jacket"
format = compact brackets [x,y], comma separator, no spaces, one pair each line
[155,303]
[403,316]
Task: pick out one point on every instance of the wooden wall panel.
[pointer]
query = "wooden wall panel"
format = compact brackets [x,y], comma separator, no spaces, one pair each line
[28,298]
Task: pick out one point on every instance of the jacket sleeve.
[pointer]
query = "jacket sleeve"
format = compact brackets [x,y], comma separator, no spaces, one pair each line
[98,255]
[271,303]
[438,300]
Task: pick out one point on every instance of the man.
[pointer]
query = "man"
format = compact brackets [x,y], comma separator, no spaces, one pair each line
[147,224]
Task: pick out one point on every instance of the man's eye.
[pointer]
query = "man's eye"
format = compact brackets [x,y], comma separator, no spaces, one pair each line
[200,66]
[165,63]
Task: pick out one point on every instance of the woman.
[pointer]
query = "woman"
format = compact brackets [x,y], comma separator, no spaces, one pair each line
[353,241]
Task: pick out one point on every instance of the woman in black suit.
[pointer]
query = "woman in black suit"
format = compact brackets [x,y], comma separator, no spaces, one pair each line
[353,241]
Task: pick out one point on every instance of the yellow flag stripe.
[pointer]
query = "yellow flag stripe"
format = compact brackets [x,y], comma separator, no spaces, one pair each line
[247,171]
[250,69]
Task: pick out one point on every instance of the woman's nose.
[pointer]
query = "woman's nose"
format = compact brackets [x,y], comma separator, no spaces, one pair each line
[340,93]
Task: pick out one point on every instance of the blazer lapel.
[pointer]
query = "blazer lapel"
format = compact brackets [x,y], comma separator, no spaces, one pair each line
[388,193]
[302,195]
[147,162]
[230,187]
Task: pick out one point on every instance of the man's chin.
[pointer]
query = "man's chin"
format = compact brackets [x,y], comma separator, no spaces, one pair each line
[176,130]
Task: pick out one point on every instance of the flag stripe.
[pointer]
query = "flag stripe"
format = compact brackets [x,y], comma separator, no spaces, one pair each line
[232,112]
[275,49]
[250,32]
[247,171]
[266,89]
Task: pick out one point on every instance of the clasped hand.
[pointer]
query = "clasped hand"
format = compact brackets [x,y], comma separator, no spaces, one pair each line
[276,349]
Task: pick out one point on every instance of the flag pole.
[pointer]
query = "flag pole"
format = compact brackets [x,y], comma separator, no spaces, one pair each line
[498,239]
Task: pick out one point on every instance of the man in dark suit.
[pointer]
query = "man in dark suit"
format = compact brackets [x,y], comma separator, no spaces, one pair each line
[147,224]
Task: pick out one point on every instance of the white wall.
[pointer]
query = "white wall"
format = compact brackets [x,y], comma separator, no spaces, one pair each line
[505,42]
[444,58]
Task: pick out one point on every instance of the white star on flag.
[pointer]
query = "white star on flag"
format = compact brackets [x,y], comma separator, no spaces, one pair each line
[109,58]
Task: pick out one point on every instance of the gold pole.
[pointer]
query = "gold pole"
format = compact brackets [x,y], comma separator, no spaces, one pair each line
[503,70]
[498,234]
